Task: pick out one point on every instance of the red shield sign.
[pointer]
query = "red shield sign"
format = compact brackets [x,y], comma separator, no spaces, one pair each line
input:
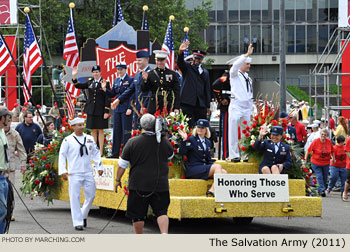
[107,59]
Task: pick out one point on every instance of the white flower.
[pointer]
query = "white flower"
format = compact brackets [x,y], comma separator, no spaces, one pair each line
[252,142]
[252,137]
[172,114]
[287,135]
[63,128]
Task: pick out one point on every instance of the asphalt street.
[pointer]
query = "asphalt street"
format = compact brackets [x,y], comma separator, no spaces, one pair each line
[56,219]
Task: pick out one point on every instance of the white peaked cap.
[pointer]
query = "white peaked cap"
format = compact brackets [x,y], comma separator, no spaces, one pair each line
[77,120]
[189,57]
[160,54]
[231,61]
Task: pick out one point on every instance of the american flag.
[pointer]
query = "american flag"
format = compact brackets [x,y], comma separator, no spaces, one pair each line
[71,53]
[5,57]
[186,52]
[31,57]
[70,105]
[168,45]
[118,14]
[144,22]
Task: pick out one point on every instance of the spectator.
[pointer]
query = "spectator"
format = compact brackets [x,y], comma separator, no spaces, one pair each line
[322,151]
[197,149]
[54,112]
[16,111]
[314,135]
[338,166]
[37,119]
[342,128]
[46,137]
[300,129]
[28,131]
[277,158]
[331,122]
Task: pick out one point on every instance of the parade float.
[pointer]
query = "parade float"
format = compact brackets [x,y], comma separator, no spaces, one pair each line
[188,196]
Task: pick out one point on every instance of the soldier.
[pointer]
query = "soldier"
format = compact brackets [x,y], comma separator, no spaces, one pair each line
[277,158]
[97,104]
[162,82]
[78,149]
[122,116]
[221,88]
[196,90]
[142,60]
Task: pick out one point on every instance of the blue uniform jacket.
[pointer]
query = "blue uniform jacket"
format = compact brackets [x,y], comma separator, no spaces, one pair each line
[118,89]
[270,157]
[198,158]
[293,133]
[135,89]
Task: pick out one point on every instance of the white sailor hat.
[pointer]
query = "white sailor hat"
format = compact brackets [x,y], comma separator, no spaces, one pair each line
[160,54]
[317,122]
[231,61]
[315,125]
[77,120]
[305,121]
[189,57]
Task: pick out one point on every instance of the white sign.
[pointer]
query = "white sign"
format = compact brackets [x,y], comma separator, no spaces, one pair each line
[343,13]
[106,181]
[251,188]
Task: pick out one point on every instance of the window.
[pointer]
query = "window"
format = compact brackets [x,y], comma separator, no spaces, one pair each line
[234,39]
[311,10]
[323,10]
[311,38]
[244,37]
[211,13]
[222,39]
[221,12]
[300,39]
[276,38]
[300,6]
[256,11]
[333,10]
[211,39]
[290,38]
[256,38]
[289,6]
[322,37]
[276,10]
[266,11]
[266,39]
[244,10]
[233,6]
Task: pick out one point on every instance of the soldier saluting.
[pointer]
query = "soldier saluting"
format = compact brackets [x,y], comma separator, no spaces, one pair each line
[97,104]
[163,83]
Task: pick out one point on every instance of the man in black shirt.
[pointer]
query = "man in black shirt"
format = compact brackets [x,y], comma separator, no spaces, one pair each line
[148,178]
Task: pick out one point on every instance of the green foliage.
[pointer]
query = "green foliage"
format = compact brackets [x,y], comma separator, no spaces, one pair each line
[333,89]
[300,95]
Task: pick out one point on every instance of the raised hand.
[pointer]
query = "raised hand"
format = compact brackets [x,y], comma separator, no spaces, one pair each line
[182,134]
[104,84]
[250,50]
[184,46]
[263,131]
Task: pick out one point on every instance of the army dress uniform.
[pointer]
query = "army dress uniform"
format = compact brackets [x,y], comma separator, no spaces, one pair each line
[274,154]
[78,151]
[221,88]
[122,123]
[161,83]
[97,103]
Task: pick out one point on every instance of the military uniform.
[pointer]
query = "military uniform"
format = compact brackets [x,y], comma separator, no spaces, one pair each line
[273,156]
[121,122]
[78,151]
[97,103]
[199,159]
[221,88]
[161,83]
[15,143]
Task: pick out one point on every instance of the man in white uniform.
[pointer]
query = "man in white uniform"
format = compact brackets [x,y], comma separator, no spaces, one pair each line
[79,149]
[241,105]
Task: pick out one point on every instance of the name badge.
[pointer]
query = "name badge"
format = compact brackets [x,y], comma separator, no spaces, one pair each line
[283,153]
[269,150]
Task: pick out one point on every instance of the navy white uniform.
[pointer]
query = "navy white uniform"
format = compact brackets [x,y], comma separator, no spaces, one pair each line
[80,172]
[199,159]
[122,123]
[274,155]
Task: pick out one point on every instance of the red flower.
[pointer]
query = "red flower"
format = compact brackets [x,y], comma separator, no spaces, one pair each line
[243,148]
[274,122]
[175,151]
[48,166]
[253,145]
[185,159]
[172,143]
[307,185]
[43,157]
[314,180]
[31,165]
[256,117]
[183,177]
[244,122]
[46,181]
[61,131]
[262,122]
[39,194]
[247,128]
[244,131]
[307,177]
[175,127]
[305,169]
[247,134]
[170,163]
[310,173]
[37,182]
[182,127]
[51,182]
[253,125]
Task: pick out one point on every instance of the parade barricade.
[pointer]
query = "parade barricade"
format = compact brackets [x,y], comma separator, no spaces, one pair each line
[188,198]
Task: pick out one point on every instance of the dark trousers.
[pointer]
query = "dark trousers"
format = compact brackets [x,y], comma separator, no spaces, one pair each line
[121,131]
[194,113]
[224,133]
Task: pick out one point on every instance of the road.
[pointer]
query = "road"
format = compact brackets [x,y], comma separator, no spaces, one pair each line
[56,219]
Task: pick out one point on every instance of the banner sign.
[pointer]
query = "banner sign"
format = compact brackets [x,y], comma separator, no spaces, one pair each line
[106,181]
[344,13]
[107,59]
[251,188]
[8,11]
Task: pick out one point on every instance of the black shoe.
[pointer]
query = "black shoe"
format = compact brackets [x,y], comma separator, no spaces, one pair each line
[113,156]
[323,194]
[236,160]
[245,160]
[79,228]
[210,194]
[85,223]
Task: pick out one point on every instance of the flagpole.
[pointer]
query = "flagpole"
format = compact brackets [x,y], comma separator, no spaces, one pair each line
[26,10]
[25,84]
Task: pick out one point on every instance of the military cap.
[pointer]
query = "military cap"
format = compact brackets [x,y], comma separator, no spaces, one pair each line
[77,120]
[198,53]
[121,65]
[202,123]
[160,54]
[142,54]
[283,114]
[96,68]
[189,57]
[277,130]
[4,111]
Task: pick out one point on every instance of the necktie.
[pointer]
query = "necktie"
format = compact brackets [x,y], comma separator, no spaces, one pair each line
[204,145]
[82,146]
[276,147]
[246,81]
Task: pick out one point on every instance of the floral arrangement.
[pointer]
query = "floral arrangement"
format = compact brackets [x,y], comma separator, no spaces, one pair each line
[265,117]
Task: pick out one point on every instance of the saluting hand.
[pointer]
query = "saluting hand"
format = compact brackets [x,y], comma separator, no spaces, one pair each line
[184,46]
